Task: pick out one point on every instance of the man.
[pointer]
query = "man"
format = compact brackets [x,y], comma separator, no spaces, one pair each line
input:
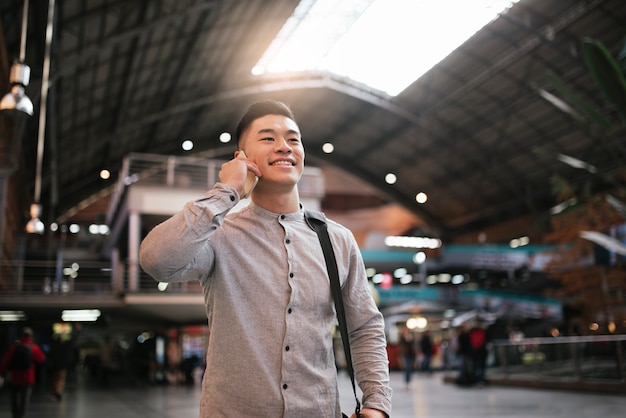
[464,353]
[266,289]
[60,360]
[407,351]
[427,349]
[21,371]
[478,341]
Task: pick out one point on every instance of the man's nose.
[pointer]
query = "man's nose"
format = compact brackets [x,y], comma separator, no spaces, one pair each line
[283,145]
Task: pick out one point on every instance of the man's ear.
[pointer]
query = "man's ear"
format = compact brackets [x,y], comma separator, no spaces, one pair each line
[237,153]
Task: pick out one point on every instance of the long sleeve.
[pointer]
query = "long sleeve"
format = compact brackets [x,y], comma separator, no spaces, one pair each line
[178,249]
[365,324]
[39,356]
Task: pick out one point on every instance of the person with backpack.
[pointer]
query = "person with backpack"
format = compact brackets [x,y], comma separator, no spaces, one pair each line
[19,363]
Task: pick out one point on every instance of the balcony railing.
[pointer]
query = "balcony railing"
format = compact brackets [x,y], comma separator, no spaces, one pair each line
[598,359]
[79,277]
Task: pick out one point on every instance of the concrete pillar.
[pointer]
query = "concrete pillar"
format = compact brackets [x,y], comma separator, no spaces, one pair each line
[134,239]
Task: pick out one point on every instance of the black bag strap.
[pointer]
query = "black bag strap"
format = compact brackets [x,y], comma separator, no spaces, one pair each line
[317,222]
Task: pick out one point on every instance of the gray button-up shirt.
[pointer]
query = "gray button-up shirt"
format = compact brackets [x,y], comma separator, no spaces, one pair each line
[269,308]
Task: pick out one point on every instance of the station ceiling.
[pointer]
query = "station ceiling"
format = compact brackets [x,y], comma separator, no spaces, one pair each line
[477,133]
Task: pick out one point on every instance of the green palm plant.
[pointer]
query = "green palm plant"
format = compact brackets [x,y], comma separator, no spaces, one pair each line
[592,214]
[608,73]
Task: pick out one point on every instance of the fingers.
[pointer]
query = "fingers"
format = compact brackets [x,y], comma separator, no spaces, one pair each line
[234,173]
[252,167]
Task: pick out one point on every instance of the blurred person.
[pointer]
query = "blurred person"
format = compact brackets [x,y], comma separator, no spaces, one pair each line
[446,353]
[19,362]
[407,348]
[427,349]
[60,360]
[106,361]
[266,286]
[478,341]
[464,353]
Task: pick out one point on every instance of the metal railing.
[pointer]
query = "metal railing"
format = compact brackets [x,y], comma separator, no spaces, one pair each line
[598,358]
[79,277]
[189,173]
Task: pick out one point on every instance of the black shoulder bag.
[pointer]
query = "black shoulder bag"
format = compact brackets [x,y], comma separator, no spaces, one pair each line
[317,221]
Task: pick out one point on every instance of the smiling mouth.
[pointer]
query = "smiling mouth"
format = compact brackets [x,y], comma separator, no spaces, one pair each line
[283,163]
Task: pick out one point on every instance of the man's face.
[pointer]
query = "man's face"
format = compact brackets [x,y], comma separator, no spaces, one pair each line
[273,142]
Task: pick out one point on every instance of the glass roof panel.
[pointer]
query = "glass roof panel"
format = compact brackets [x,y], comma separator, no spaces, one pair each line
[386,44]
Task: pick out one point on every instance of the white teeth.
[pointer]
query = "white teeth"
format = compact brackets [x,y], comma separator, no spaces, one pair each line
[282,163]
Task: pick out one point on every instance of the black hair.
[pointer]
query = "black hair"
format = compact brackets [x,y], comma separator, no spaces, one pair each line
[259,109]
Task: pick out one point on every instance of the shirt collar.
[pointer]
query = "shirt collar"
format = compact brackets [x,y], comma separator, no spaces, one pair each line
[264,213]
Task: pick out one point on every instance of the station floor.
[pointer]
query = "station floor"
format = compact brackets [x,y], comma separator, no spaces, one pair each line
[427,397]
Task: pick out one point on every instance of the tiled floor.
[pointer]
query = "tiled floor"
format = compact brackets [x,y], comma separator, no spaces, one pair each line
[428,397]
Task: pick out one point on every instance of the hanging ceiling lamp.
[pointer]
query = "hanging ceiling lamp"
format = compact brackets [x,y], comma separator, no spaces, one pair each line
[16,99]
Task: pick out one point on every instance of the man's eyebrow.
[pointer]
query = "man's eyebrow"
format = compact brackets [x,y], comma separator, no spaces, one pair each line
[273,131]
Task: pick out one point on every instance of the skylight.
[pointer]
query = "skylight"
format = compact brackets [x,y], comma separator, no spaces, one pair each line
[386,44]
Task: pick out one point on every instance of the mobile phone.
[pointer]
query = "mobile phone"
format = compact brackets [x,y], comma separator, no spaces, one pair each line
[251,179]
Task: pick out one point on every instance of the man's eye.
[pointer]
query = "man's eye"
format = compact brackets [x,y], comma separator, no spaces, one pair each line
[269,138]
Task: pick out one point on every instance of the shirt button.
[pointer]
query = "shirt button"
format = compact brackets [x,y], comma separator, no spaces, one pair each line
[290,274]
[284,385]
[289,310]
[287,348]
[232,198]
[287,240]
[282,216]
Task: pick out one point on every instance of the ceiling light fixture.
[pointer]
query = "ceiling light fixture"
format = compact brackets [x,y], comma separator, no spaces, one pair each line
[560,104]
[412,242]
[35,226]
[16,99]
[80,315]
[12,316]
[225,137]
[187,145]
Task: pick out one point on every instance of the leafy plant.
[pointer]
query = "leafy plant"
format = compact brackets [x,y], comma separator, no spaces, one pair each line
[607,73]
